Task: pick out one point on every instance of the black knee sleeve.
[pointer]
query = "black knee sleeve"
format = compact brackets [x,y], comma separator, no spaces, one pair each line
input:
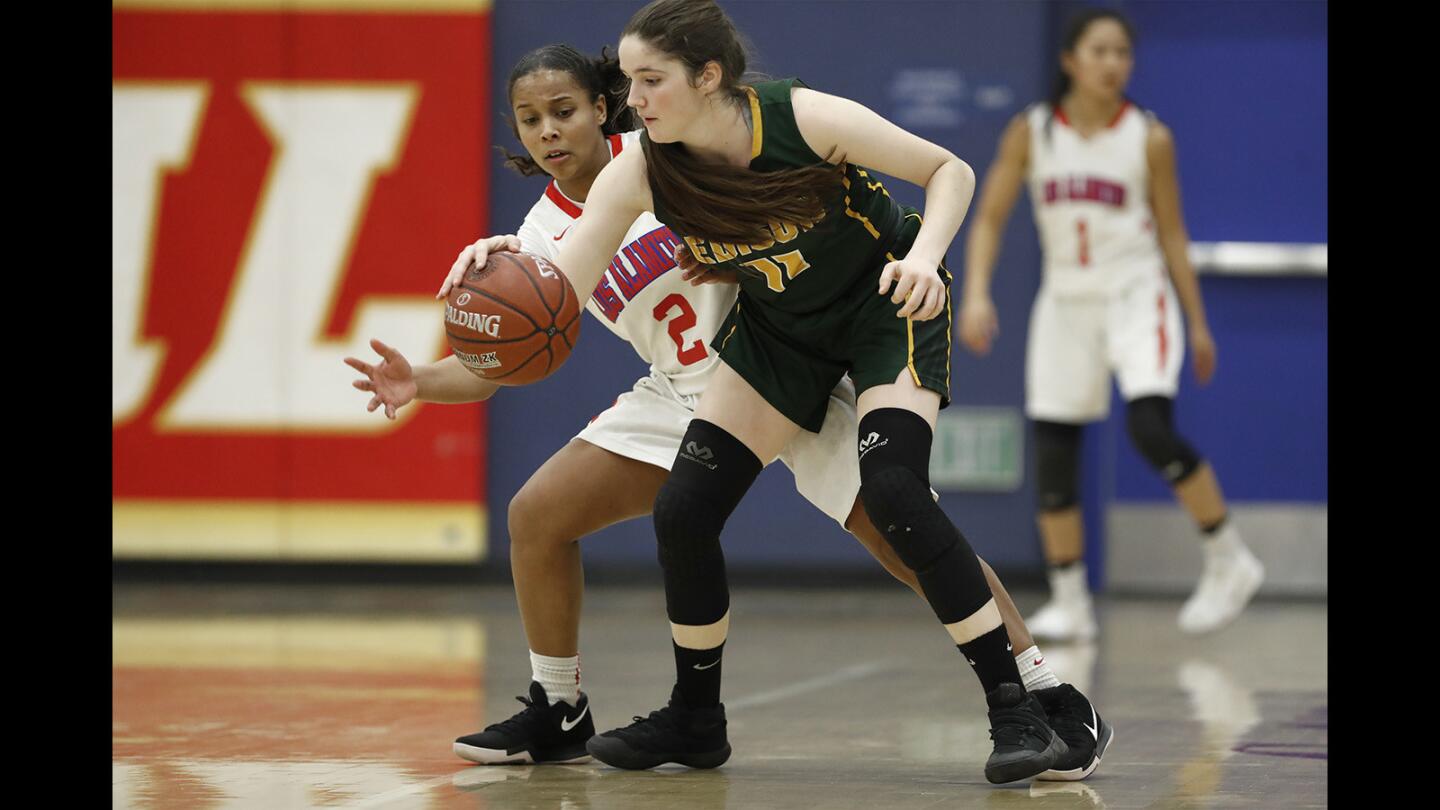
[1057,464]
[1152,429]
[711,473]
[895,490]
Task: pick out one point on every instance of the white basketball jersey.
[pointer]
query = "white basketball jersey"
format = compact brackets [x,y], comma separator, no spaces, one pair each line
[641,297]
[1091,198]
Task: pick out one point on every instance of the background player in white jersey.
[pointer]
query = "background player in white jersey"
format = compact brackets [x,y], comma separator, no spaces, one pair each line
[568,110]
[1102,181]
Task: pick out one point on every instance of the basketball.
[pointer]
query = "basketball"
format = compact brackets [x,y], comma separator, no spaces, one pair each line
[514,320]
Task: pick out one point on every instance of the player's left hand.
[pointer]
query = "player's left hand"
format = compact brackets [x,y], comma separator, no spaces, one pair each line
[1202,351]
[697,273]
[917,286]
[392,382]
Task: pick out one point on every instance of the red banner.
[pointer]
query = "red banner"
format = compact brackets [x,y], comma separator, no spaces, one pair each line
[288,185]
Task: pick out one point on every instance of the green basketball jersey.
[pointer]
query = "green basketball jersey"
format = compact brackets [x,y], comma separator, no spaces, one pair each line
[802,269]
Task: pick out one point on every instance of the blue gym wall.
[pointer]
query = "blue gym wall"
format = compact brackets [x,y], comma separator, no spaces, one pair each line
[1243,86]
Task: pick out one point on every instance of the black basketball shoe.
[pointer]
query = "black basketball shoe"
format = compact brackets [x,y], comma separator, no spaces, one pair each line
[540,734]
[1025,745]
[1083,730]
[676,733]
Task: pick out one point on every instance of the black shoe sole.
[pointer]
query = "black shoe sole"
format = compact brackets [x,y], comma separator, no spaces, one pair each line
[1025,768]
[614,752]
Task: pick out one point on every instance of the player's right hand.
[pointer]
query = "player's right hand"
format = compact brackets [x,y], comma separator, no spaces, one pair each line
[392,383]
[476,254]
[978,323]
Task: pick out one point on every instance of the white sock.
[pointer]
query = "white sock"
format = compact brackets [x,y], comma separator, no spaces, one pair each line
[1034,671]
[1227,539]
[1068,584]
[559,676]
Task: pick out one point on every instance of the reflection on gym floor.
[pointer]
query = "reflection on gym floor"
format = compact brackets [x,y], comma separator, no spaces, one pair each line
[350,697]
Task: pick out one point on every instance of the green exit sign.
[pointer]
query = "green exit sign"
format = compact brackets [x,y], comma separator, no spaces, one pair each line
[978,449]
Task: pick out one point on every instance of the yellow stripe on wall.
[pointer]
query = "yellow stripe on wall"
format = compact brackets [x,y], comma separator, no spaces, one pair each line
[285,6]
[370,643]
[308,531]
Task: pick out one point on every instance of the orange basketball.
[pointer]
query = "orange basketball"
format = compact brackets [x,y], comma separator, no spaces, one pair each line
[513,321]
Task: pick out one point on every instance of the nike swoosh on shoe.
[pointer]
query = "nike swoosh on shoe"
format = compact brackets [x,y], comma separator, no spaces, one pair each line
[566,725]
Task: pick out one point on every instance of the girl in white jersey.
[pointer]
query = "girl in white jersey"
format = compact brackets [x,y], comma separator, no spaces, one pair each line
[569,112]
[1102,181]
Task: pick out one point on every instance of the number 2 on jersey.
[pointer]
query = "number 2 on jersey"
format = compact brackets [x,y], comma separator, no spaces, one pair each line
[686,319]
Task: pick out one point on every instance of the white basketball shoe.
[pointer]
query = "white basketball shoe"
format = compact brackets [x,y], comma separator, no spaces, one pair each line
[1231,577]
[1069,615]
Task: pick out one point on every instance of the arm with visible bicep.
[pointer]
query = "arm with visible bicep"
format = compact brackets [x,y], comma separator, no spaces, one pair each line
[849,131]
[619,195]
[1175,245]
[979,323]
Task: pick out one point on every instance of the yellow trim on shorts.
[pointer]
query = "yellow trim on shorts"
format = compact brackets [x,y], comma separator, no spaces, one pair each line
[732,326]
[910,340]
[910,324]
[950,325]
[949,315]
[757,139]
[910,352]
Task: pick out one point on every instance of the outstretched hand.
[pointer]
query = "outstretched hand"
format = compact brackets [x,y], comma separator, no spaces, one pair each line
[392,383]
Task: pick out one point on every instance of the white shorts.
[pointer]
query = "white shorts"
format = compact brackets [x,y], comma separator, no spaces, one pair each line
[647,423]
[1076,342]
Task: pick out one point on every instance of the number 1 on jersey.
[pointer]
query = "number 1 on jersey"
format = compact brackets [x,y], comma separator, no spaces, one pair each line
[686,319]
[1084,243]
[775,276]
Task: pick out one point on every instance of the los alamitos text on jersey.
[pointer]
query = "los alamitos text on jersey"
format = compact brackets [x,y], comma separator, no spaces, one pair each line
[668,321]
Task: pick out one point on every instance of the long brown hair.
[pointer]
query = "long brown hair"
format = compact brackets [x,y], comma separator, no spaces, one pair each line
[720,202]
[597,77]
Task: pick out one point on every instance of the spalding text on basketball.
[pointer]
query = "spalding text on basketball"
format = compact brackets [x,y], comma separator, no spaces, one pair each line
[484,324]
